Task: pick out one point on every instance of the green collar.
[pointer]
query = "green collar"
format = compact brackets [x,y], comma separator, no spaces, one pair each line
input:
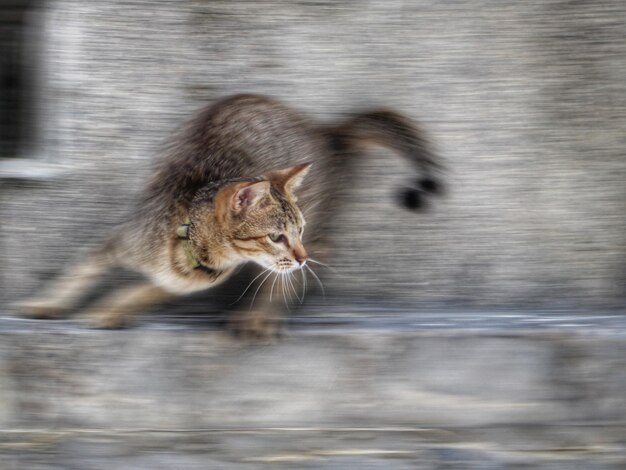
[183,235]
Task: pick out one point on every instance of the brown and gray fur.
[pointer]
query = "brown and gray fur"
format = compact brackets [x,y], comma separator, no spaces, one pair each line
[240,170]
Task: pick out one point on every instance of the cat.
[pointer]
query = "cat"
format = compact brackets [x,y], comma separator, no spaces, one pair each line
[232,187]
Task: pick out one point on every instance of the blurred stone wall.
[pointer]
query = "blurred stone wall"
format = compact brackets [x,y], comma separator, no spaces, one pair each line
[525,102]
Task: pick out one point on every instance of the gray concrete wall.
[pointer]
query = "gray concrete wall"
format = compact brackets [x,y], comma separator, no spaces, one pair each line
[525,101]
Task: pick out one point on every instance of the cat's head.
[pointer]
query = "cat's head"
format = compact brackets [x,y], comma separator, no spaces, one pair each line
[260,221]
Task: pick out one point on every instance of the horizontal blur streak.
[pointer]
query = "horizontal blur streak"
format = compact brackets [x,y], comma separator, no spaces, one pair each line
[526,104]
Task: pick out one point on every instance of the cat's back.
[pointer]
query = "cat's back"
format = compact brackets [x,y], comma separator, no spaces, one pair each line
[237,136]
[246,113]
[264,128]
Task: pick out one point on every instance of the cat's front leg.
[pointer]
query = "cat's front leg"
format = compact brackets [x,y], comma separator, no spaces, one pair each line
[273,295]
[264,312]
[258,325]
[261,317]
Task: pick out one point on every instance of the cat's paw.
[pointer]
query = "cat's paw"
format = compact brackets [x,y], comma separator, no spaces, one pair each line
[40,309]
[106,320]
[256,326]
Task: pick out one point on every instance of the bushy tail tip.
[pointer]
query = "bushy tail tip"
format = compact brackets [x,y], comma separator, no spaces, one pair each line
[416,198]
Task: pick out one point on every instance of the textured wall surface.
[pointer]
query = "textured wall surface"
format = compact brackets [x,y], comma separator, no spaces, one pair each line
[159,397]
[525,102]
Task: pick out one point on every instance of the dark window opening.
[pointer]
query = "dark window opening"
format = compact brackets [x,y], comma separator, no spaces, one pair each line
[14,82]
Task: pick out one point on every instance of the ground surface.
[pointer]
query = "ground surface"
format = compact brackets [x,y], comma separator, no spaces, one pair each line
[359,389]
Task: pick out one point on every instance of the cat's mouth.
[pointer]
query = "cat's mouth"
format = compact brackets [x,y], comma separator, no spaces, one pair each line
[286,265]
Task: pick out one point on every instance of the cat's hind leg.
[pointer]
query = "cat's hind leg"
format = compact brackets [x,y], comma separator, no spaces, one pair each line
[116,309]
[63,293]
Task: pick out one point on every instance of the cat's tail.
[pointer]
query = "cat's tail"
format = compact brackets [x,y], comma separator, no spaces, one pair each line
[392,130]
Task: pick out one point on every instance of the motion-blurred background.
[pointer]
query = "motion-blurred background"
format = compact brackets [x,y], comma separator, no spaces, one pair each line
[525,101]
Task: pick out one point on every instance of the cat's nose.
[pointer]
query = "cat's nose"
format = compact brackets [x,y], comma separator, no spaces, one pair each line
[300,254]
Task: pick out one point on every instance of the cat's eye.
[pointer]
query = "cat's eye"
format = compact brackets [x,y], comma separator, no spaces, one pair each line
[278,238]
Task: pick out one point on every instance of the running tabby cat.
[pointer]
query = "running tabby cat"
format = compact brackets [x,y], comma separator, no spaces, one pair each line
[232,187]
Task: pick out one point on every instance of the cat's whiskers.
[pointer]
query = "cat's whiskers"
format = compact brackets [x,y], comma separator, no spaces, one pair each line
[276,275]
[290,280]
[330,268]
[249,285]
[317,278]
[300,283]
[282,283]
[303,273]
[287,289]
[325,265]
[259,287]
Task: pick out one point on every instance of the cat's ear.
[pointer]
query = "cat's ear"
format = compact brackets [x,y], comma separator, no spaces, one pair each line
[247,195]
[289,179]
[238,197]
